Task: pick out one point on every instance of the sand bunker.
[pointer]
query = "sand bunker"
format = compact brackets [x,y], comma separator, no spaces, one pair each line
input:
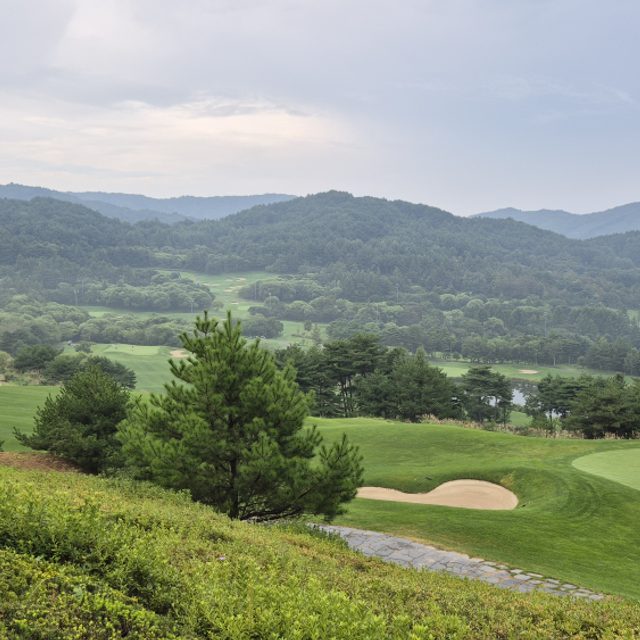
[528,372]
[469,494]
[179,353]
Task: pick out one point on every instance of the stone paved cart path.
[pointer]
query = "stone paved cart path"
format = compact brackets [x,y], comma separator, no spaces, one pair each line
[422,556]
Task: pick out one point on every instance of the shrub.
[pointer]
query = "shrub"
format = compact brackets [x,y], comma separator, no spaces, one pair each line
[79,423]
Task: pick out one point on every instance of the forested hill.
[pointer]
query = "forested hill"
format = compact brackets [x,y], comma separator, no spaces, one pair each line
[367,248]
[398,243]
[591,225]
[135,208]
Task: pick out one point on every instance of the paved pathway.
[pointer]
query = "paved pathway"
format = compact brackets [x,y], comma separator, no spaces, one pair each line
[422,556]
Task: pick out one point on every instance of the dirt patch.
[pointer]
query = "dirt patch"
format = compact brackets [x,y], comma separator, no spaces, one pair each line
[34,461]
[179,354]
[528,372]
[468,494]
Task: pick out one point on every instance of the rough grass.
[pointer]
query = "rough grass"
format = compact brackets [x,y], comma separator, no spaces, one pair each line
[621,465]
[83,557]
[569,524]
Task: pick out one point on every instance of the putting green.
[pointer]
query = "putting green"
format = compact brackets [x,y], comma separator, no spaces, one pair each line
[621,466]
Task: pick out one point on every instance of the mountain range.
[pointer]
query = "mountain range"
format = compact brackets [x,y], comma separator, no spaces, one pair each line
[580,226]
[135,208]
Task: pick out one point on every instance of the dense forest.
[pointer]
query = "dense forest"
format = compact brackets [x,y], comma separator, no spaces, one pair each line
[415,276]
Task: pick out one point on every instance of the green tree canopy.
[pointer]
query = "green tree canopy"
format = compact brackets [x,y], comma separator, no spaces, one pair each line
[606,406]
[230,429]
[79,423]
[487,394]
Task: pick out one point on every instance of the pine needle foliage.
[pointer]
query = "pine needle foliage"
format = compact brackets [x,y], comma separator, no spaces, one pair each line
[230,429]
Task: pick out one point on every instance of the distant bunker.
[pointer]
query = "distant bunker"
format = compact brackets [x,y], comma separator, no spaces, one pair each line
[468,494]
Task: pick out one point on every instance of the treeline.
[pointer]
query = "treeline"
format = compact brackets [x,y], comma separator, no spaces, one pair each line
[462,326]
[593,406]
[166,292]
[359,376]
[26,322]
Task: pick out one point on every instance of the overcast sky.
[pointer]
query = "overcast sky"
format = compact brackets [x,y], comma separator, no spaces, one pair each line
[468,105]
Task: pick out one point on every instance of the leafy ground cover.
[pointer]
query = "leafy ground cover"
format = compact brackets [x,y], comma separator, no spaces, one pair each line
[569,524]
[83,557]
[620,465]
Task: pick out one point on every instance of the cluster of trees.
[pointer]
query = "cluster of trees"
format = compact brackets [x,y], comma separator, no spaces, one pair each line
[593,406]
[54,367]
[360,376]
[164,293]
[27,322]
[229,429]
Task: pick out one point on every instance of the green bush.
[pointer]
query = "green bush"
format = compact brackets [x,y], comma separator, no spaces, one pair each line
[43,601]
[79,423]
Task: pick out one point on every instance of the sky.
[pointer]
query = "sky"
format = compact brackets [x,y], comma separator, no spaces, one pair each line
[468,105]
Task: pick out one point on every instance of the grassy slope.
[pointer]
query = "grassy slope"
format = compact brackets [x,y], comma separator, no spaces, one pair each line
[182,571]
[150,363]
[621,465]
[17,408]
[569,524]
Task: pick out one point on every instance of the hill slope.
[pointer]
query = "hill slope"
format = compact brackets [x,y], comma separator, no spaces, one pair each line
[84,557]
[364,246]
[590,225]
[134,208]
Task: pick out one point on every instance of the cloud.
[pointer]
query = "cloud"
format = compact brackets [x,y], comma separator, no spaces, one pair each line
[462,104]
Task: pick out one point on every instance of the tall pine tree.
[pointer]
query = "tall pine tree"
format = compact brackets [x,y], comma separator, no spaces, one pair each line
[230,429]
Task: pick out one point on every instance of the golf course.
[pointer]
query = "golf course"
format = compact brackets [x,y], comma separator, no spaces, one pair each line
[567,516]
[574,496]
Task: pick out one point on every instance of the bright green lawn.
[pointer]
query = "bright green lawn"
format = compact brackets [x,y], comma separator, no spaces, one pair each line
[519,419]
[621,465]
[455,368]
[17,408]
[150,363]
[569,524]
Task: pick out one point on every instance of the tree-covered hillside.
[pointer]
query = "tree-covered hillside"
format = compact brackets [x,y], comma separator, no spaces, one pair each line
[489,290]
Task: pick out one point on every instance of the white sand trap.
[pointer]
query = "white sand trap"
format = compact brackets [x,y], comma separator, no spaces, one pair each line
[469,494]
[529,372]
[179,353]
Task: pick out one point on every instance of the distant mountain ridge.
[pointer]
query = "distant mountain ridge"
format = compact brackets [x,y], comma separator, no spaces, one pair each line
[134,208]
[572,225]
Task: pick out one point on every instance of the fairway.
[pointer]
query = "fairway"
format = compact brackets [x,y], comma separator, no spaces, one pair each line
[150,363]
[621,466]
[225,287]
[522,371]
[568,524]
[17,408]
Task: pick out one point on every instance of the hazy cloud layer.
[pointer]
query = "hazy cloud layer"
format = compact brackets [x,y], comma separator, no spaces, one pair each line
[465,104]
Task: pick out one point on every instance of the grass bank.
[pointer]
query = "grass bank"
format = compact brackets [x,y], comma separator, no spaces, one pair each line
[569,524]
